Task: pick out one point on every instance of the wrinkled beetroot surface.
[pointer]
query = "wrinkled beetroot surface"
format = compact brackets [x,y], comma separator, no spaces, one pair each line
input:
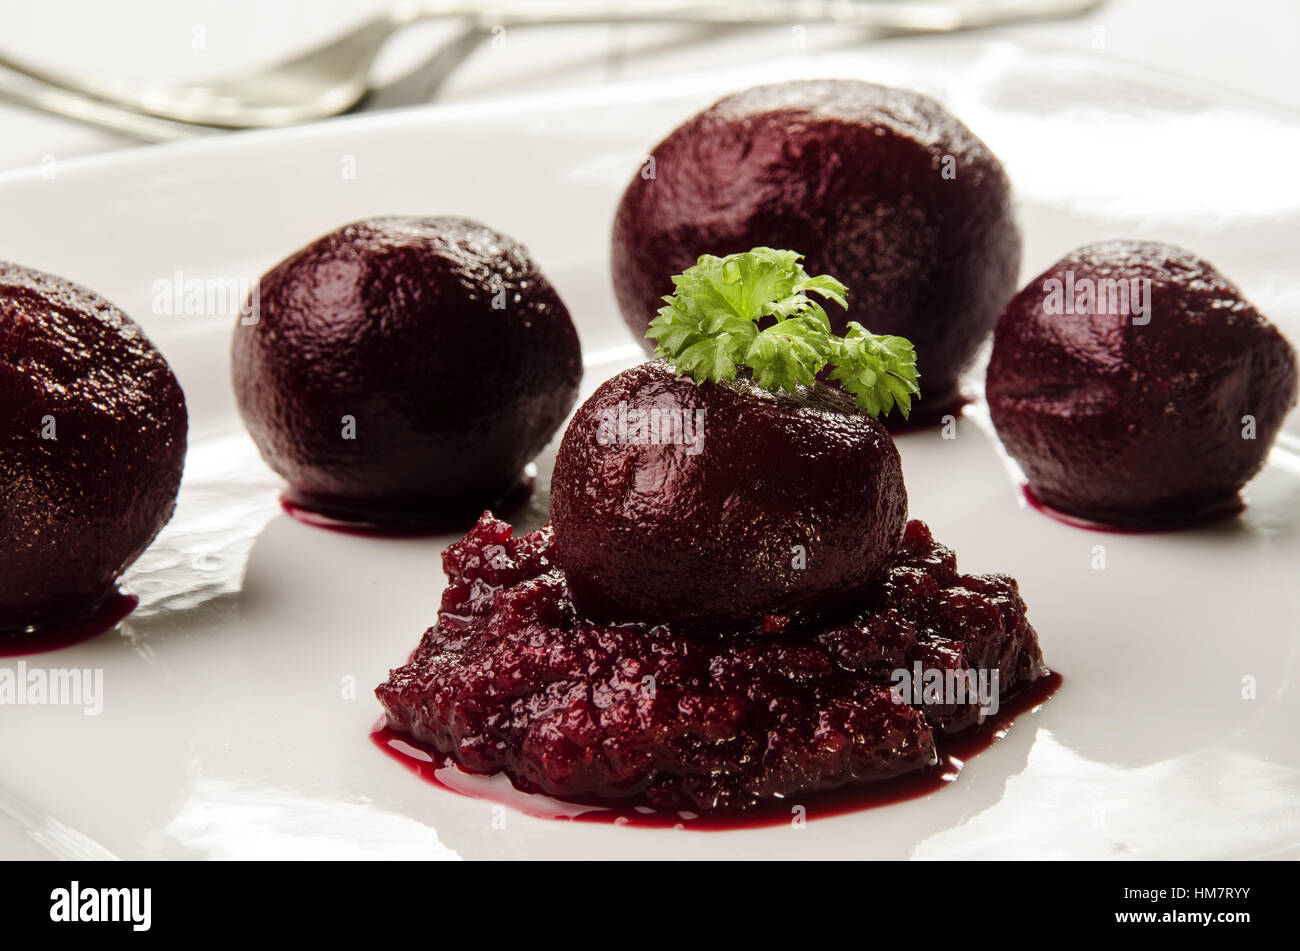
[852,175]
[788,505]
[512,679]
[439,337]
[1139,425]
[92,445]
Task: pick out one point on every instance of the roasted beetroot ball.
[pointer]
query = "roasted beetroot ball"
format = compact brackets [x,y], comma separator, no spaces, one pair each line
[881,187]
[405,368]
[513,679]
[92,445]
[732,508]
[1135,415]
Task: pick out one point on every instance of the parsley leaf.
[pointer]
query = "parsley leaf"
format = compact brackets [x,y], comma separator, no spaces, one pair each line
[709,329]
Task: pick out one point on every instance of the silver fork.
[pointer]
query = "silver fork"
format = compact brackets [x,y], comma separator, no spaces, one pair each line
[333,78]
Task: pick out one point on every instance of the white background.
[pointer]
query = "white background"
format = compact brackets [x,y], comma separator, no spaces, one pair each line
[1245,45]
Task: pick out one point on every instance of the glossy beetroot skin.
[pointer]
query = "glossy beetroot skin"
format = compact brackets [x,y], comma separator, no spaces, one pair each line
[438,336]
[790,506]
[851,174]
[92,445]
[1136,424]
[512,678]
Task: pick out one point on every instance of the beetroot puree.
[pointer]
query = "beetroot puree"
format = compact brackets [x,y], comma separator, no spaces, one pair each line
[955,750]
[511,679]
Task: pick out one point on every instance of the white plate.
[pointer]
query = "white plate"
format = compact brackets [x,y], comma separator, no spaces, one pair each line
[227,728]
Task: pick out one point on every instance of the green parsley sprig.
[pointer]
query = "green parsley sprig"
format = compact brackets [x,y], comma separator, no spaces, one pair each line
[752,312]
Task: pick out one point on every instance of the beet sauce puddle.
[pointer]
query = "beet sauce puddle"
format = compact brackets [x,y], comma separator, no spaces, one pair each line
[451,521]
[1218,512]
[954,751]
[66,633]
